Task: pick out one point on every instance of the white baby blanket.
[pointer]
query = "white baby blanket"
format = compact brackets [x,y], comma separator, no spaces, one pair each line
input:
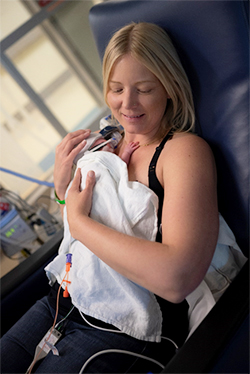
[96,289]
[131,208]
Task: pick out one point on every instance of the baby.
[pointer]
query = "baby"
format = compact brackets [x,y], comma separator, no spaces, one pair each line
[128,150]
[94,143]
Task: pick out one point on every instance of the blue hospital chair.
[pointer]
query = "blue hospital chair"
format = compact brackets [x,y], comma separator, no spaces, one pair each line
[212,39]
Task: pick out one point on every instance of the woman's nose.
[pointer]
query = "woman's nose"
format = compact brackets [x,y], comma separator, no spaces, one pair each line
[129,100]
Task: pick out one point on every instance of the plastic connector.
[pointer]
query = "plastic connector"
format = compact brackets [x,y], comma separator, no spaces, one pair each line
[69,258]
[66,292]
[68,266]
[46,344]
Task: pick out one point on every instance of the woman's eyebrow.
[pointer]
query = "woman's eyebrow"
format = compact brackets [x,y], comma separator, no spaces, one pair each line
[143,81]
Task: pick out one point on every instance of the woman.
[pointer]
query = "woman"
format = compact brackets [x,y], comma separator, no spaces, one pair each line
[148,92]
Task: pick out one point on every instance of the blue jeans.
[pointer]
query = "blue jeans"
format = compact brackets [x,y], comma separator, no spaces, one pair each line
[77,344]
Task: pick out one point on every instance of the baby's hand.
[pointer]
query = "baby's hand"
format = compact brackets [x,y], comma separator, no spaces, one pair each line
[128,150]
[132,146]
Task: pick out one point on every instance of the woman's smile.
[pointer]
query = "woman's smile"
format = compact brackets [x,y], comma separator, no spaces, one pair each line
[133,117]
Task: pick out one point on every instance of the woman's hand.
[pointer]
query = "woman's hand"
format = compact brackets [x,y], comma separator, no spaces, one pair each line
[66,151]
[79,202]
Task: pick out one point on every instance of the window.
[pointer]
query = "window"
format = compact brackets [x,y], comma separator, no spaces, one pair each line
[50,85]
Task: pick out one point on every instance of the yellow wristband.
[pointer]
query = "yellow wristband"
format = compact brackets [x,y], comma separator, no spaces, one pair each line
[58,200]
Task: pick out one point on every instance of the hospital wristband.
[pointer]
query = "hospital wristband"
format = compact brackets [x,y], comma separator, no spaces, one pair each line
[58,200]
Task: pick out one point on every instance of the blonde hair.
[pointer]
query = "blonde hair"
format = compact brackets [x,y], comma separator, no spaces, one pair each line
[150,45]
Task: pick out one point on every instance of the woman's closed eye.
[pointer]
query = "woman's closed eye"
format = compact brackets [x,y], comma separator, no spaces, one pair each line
[116,90]
[144,91]
[120,90]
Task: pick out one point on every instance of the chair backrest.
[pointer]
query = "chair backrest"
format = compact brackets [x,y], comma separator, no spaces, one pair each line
[212,39]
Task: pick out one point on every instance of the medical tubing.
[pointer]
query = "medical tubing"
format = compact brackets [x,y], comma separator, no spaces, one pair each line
[122,352]
[66,278]
[52,328]
[99,328]
[63,319]
[120,332]
[171,341]
[118,350]
[34,180]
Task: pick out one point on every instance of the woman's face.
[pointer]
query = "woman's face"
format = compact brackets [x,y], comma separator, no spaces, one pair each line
[136,97]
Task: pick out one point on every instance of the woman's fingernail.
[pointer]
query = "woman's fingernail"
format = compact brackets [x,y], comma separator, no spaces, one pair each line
[91,174]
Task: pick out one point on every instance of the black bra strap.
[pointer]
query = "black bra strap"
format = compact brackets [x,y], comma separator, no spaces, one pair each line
[158,152]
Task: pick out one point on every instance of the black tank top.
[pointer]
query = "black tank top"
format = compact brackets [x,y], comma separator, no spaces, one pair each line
[154,183]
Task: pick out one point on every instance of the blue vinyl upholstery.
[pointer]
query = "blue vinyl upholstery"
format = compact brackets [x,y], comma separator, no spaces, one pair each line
[212,39]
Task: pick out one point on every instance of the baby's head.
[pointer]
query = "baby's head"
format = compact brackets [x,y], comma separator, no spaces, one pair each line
[107,147]
[92,141]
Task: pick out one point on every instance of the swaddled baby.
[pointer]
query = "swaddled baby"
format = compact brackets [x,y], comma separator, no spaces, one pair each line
[97,142]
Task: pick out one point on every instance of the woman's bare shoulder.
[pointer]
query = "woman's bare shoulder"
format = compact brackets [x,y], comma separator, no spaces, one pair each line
[188,139]
[187,154]
[188,145]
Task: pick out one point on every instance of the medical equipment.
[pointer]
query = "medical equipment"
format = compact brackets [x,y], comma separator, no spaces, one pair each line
[46,344]
[113,141]
[66,278]
[52,336]
[110,134]
[23,228]
[15,233]
[110,121]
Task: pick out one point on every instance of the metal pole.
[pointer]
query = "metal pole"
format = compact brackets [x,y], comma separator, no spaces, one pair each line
[7,64]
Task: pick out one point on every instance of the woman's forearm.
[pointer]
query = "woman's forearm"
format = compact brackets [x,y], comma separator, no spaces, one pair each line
[149,264]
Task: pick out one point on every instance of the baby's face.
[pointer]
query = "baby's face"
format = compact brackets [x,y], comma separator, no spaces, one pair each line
[107,147]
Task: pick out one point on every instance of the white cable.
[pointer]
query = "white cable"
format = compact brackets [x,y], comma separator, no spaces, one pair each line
[170,340]
[118,331]
[119,351]
[97,327]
